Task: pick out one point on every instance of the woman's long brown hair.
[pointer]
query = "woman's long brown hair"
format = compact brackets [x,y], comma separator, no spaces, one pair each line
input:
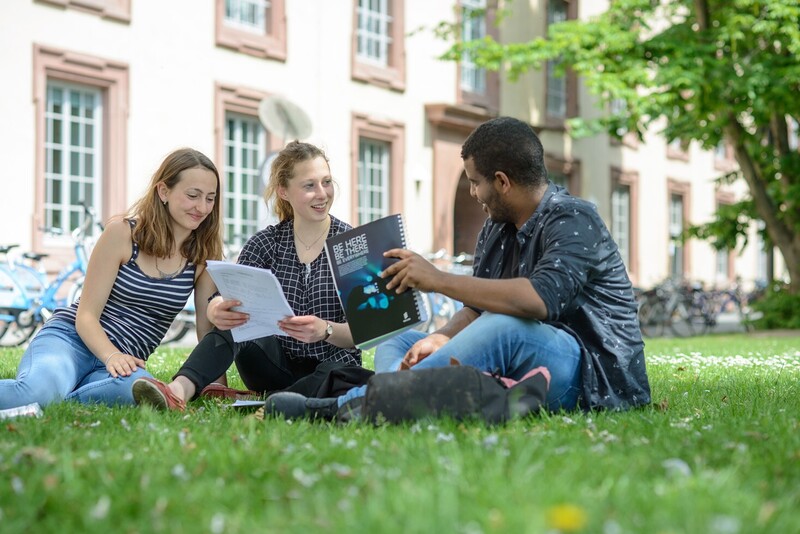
[153,231]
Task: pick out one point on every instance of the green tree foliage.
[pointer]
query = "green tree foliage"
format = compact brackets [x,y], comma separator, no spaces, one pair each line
[704,70]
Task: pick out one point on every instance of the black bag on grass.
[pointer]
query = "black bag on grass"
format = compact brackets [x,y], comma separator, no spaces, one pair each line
[459,392]
[331,379]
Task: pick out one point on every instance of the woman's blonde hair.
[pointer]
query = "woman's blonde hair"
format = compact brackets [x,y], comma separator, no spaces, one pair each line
[153,231]
[283,170]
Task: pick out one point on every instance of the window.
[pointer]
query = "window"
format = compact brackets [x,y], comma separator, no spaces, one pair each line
[373,37]
[81,112]
[253,27]
[676,247]
[618,109]
[556,99]
[624,224]
[723,157]
[556,93]
[476,86]
[373,180]
[677,149]
[377,168]
[250,15]
[618,106]
[473,28]
[73,153]
[244,210]
[721,151]
[724,258]
[621,220]
[379,43]
[723,264]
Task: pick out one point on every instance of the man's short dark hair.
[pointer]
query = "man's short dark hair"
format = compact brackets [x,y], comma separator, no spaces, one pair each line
[508,145]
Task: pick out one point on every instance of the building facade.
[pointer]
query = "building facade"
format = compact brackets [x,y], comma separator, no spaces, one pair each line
[97,92]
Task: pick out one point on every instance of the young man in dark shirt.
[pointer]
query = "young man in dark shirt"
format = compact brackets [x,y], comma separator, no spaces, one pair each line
[549,287]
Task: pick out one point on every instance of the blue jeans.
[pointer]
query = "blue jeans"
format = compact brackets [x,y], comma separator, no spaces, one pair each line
[58,366]
[502,344]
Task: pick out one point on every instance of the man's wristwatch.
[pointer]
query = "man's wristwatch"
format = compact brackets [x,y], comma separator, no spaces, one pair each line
[328,331]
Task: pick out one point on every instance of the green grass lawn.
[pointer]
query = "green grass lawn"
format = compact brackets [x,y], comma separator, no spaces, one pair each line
[717,452]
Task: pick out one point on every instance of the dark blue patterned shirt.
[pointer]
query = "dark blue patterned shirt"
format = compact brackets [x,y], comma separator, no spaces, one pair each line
[567,253]
[309,288]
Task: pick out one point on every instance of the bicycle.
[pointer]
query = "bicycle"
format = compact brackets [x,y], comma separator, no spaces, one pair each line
[28,298]
[15,281]
[730,304]
[678,306]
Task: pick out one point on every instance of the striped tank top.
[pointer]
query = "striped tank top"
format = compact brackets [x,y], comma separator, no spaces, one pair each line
[139,309]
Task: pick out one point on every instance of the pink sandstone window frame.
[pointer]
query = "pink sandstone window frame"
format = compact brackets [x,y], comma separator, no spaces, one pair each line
[111,78]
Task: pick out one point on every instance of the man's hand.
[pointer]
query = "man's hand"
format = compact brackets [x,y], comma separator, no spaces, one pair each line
[422,349]
[411,271]
[221,314]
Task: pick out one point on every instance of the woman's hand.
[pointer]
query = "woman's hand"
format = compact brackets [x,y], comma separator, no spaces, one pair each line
[119,364]
[222,315]
[305,328]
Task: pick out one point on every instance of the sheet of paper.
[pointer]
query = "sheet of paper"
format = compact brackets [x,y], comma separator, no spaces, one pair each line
[261,296]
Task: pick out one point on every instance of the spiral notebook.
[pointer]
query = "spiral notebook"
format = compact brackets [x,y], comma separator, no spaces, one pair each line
[356,260]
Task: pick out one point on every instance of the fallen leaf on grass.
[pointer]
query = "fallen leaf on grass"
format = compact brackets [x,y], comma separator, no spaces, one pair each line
[36,454]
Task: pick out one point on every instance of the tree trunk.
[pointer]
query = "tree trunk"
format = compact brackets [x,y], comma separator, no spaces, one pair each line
[779,232]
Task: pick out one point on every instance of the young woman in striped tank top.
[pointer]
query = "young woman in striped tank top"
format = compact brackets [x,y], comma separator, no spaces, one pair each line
[140,274]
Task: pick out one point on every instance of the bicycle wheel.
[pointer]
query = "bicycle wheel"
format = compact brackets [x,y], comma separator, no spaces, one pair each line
[176,331]
[3,324]
[699,321]
[651,318]
[681,321]
[76,290]
[15,335]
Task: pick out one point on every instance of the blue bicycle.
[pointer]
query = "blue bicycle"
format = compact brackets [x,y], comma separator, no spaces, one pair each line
[27,298]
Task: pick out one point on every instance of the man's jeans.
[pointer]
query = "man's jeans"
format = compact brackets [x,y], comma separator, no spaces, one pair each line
[502,344]
[58,366]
